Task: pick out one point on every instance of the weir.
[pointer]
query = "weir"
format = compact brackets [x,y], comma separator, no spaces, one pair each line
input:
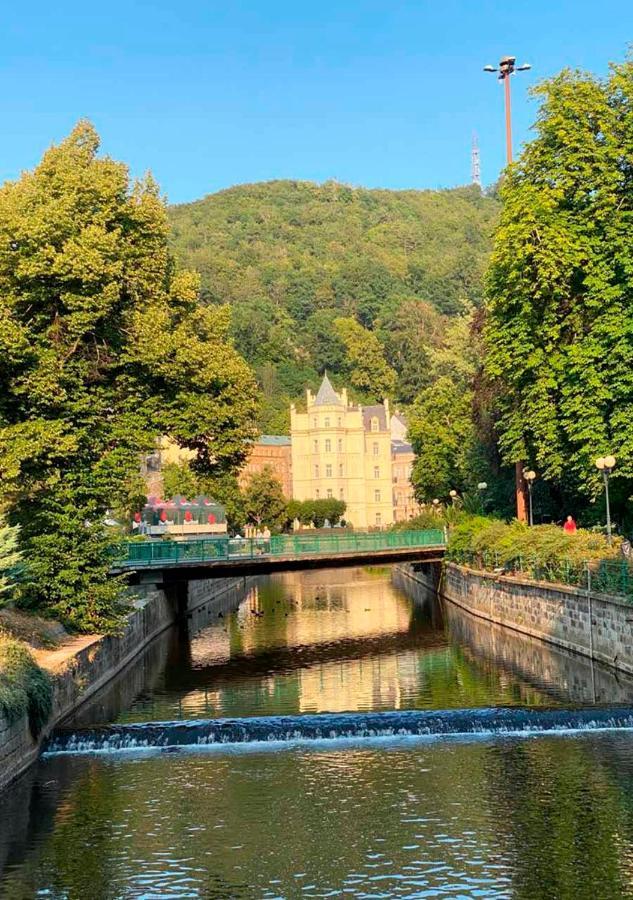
[474,723]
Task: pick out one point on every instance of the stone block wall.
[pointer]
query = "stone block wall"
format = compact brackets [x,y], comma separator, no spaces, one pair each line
[591,624]
[98,661]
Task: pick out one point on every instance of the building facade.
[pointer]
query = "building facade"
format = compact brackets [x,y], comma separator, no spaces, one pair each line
[272,450]
[343,450]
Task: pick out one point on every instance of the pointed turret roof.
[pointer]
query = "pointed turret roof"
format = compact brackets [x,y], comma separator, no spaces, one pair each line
[327,396]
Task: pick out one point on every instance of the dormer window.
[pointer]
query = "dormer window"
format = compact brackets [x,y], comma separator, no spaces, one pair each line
[375,425]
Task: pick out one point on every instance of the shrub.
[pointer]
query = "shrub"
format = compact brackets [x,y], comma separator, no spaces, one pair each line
[508,544]
[24,687]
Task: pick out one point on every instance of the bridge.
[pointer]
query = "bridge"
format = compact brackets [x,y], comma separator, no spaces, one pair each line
[168,560]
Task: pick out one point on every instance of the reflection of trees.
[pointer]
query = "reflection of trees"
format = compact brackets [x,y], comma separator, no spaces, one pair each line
[558,819]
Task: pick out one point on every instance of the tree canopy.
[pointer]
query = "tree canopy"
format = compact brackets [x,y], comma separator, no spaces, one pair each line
[103,346]
[559,332]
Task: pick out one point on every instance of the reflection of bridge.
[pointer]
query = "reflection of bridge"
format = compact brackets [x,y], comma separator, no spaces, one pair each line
[210,557]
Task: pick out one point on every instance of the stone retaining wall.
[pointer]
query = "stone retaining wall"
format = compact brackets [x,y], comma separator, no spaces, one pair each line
[98,661]
[594,625]
[536,660]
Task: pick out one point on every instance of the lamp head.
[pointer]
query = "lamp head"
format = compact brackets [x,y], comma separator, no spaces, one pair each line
[600,463]
[482,485]
[609,462]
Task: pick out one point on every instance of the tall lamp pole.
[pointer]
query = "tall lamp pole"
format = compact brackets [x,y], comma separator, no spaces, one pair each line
[606,465]
[507,67]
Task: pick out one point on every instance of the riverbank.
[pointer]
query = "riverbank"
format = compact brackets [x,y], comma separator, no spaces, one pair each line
[595,625]
[82,665]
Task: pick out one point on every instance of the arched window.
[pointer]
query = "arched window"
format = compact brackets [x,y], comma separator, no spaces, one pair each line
[327,422]
[316,446]
[329,492]
[340,445]
[377,496]
[376,471]
[328,471]
[378,519]
[328,445]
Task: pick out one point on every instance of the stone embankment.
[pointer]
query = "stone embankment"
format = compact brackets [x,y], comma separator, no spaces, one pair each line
[595,625]
[81,666]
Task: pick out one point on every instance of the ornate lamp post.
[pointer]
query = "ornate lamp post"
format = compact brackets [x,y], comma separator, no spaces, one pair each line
[606,464]
[530,477]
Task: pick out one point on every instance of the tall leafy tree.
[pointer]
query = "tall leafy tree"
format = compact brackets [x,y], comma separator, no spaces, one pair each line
[103,345]
[559,328]
[365,364]
[264,502]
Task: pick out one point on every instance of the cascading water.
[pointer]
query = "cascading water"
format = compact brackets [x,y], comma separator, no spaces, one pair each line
[324,727]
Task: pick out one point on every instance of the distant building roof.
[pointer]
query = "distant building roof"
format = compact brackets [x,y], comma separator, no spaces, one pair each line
[377,411]
[401,447]
[327,396]
[274,440]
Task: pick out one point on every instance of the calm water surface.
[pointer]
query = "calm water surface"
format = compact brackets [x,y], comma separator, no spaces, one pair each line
[532,817]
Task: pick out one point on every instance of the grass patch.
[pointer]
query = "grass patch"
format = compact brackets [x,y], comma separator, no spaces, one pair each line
[24,687]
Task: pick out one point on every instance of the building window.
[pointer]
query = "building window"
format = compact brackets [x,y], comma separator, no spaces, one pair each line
[377,496]
[376,471]
[316,493]
[327,422]
[378,519]
[316,446]
[328,445]
[339,421]
[340,470]
[329,492]
[374,424]
[340,445]
[328,471]
[341,493]
[316,471]
[376,448]
[314,422]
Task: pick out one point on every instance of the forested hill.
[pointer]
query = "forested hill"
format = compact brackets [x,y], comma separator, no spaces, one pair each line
[308,268]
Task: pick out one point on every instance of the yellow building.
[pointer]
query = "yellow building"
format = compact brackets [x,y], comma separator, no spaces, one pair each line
[343,450]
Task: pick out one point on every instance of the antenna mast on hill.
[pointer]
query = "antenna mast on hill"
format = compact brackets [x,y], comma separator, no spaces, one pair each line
[475,164]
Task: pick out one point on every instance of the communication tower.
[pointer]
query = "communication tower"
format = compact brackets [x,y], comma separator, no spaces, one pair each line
[475,164]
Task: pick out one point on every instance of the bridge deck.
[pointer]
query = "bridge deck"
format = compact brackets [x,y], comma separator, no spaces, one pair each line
[187,560]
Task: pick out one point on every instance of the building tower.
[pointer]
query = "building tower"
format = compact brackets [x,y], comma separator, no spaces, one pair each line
[475,164]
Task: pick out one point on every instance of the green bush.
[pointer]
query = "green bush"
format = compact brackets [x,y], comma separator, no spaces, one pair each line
[24,687]
[487,540]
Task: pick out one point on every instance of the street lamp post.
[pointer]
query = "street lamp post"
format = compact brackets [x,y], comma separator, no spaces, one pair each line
[606,464]
[530,477]
[507,67]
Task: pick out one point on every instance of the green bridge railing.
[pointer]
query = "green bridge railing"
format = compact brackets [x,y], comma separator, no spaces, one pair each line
[137,554]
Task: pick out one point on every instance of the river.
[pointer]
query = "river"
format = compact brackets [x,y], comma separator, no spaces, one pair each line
[357,811]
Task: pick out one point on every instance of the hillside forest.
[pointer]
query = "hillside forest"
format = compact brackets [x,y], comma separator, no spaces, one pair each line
[363,283]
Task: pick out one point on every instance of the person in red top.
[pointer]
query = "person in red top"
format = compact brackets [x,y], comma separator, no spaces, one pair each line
[569,526]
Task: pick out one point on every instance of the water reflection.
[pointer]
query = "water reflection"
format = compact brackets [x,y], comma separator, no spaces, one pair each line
[327,641]
[532,819]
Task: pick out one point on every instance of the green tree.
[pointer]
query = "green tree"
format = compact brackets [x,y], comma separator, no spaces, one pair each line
[10,560]
[365,365]
[103,345]
[264,502]
[559,331]
[442,430]
[179,479]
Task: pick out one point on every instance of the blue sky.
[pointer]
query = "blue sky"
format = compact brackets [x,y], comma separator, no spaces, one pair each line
[209,94]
